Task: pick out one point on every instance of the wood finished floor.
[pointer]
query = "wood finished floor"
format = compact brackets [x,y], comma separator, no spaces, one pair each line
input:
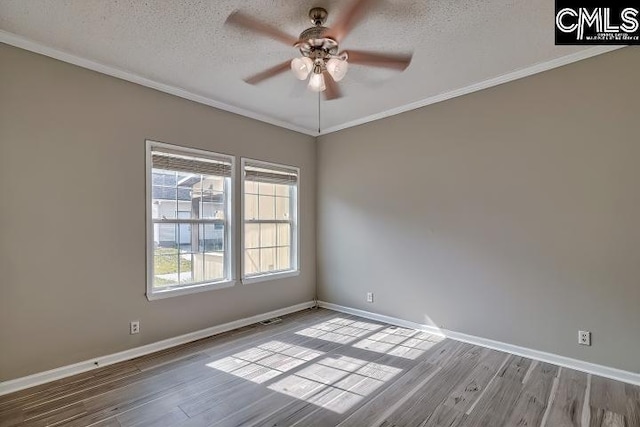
[322,368]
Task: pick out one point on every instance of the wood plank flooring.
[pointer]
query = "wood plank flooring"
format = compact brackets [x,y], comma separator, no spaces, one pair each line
[323,368]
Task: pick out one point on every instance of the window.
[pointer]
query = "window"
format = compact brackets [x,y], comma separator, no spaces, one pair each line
[189,220]
[270,216]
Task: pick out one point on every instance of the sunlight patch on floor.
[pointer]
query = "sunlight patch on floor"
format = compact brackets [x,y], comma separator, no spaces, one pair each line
[266,361]
[336,383]
[406,343]
[339,330]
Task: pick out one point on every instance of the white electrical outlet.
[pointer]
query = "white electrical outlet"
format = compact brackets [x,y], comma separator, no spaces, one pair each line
[584,337]
[369,296]
[134,327]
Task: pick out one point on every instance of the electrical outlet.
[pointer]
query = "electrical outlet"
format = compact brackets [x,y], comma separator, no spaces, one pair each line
[584,337]
[134,327]
[369,296]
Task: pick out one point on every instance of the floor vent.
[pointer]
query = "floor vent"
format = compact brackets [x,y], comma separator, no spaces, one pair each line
[271,321]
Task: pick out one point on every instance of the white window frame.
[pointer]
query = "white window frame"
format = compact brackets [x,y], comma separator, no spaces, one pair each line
[295,227]
[230,256]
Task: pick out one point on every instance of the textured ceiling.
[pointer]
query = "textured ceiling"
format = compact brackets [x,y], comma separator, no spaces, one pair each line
[184,44]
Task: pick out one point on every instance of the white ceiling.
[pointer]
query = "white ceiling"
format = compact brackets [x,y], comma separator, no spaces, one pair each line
[182,47]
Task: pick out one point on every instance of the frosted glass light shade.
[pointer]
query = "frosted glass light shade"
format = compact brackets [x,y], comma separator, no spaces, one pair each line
[301,67]
[337,68]
[316,83]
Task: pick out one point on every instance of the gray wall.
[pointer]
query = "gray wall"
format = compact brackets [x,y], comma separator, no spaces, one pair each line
[72,277]
[510,214]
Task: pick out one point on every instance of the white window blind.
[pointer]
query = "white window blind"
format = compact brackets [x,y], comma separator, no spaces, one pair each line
[189,164]
[274,174]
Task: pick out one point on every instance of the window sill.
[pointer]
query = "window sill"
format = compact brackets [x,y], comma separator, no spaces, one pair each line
[270,276]
[194,289]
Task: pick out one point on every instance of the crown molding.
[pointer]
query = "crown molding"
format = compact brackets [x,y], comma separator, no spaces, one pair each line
[30,45]
[26,44]
[485,84]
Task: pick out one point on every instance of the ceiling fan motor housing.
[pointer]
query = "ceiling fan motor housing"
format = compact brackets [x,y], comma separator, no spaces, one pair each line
[314,33]
[313,43]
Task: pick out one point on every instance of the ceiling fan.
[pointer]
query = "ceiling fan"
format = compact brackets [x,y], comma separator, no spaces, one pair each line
[319,48]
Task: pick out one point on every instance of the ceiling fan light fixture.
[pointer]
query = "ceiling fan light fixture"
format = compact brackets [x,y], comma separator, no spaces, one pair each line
[301,67]
[337,68]
[319,46]
[316,83]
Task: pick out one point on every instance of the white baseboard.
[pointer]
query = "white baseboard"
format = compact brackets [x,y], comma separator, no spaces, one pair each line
[77,368]
[567,362]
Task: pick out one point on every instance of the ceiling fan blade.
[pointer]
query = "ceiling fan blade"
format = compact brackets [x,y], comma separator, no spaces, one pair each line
[333,90]
[268,73]
[348,20]
[376,59]
[245,21]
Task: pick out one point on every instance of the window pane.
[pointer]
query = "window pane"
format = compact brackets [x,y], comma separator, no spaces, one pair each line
[267,235]
[159,282]
[212,183]
[251,206]
[267,189]
[284,260]
[251,187]
[282,207]
[165,235]
[163,177]
[210,263]
[170,267]
[251,236]
[267,259]
[184,235]
[213,266]
[252,261]
[212,197]
[213,205]
[164,209]
[198,267]
[163,194]
[267,207]
[283,190]
[186,268]
[165,267]
[284,235]
[211,238]
[189,194]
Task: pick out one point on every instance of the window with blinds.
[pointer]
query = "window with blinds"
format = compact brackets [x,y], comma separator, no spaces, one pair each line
[270,218]
[189,209]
